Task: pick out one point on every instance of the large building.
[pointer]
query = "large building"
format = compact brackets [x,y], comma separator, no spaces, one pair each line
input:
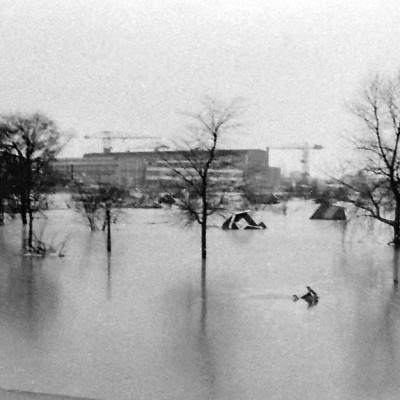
[151,169]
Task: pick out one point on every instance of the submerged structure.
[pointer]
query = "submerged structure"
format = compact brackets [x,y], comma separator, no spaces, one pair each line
[329,211]
[242,220]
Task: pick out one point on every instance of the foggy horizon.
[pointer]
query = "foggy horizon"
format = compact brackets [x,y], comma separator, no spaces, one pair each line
[100,65]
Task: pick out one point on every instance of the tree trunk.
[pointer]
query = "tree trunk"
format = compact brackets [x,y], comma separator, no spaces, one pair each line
[396,256]
[23,237]
[30,233]
[28,188]
[204,231]
[108,217]
[203,249]
[396,236]
[1,210]
[23,212]
[396,242]
[396,227]
[204,237]
[92,222]
[203,240]
[23,209]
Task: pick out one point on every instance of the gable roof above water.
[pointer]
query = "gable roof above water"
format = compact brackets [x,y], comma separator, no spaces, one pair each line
[328,211]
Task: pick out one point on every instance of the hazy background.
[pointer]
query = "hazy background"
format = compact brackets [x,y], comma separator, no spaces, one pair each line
[130,65]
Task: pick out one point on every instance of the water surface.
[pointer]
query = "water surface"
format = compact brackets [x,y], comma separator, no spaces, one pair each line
[135,325]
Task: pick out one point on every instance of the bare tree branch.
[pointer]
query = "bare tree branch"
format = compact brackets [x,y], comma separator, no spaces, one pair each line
[194,156]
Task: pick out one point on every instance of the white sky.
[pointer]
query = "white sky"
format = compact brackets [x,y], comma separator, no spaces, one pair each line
[130,65]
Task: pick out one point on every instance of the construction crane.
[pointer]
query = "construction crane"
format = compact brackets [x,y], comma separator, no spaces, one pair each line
[108,136]
[305,153]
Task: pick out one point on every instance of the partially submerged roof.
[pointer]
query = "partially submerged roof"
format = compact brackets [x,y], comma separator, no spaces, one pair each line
[329,211]
[235,221]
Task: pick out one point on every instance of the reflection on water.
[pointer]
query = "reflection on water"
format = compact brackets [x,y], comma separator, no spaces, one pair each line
[375,349]
[29,298]
[109,287]
[142,323]
[206,357]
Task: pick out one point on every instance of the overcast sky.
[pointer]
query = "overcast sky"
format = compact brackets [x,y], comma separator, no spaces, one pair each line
[130,65]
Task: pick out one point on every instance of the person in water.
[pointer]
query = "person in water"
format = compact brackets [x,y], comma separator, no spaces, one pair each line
[310,297]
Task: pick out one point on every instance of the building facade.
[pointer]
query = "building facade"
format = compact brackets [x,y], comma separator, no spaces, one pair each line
[152,170]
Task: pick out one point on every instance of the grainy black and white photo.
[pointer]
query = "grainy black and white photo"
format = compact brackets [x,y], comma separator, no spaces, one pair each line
[199,200]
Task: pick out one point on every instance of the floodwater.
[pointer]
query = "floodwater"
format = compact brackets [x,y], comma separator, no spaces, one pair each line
[136,326]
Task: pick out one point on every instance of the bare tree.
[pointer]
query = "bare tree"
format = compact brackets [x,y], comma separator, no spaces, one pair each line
[375,188]
[194,160]
[6,162]
[93,201]
[31,142]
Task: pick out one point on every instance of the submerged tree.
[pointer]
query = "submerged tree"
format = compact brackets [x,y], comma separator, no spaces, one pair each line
[5,176]
[194,160]
[30,143]
[93,201]
[375,188]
